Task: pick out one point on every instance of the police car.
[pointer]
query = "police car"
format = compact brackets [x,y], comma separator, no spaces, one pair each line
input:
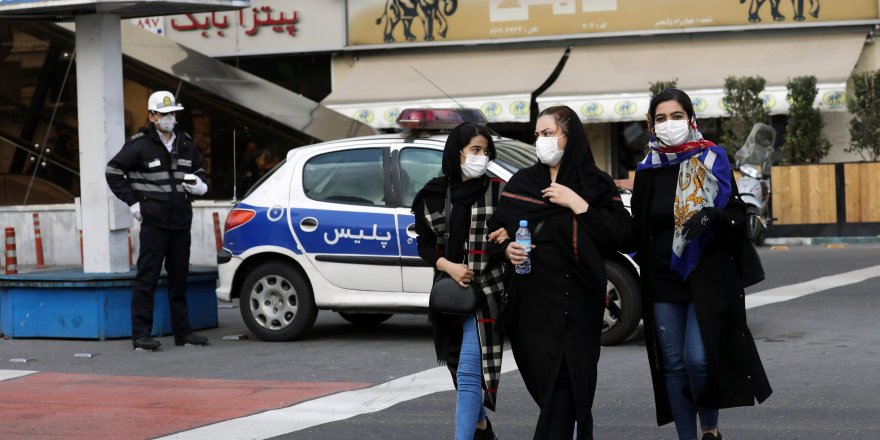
[330,228]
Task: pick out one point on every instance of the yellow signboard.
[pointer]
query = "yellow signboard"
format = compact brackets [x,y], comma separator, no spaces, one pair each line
[378,22]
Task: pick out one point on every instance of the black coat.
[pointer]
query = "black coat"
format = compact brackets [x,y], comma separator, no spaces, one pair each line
[555,313]
[736,375]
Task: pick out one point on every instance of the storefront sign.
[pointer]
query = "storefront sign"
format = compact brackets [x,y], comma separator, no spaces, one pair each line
[707,103]
[384,115]
[386,22]
[266,27]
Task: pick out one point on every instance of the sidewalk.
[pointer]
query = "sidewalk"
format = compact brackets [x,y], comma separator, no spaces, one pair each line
[813,241]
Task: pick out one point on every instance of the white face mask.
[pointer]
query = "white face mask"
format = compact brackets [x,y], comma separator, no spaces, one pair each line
[167,123]
[672,133]
[548,150]
[474,166]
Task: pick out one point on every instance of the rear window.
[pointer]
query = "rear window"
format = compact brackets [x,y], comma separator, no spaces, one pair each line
[350,176]
[263,179]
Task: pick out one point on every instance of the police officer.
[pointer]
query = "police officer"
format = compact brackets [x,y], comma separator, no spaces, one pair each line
[155,173]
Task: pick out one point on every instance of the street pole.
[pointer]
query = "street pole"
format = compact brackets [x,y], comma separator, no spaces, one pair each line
[105,220]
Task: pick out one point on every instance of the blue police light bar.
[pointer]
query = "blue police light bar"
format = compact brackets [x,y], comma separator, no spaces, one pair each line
[438,118]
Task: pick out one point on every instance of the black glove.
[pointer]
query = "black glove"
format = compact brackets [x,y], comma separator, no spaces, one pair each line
[699,223]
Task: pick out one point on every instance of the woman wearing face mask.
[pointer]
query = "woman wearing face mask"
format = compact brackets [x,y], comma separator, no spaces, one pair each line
[471,349]
[686,214]
[554,313]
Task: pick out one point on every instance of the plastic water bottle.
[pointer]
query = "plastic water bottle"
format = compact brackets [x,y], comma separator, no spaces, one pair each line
[524,239]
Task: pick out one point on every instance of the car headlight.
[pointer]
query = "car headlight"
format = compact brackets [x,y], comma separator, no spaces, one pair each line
[751,171]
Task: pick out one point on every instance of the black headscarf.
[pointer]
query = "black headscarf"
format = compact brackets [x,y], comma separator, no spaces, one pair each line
[522,198]
[463,193]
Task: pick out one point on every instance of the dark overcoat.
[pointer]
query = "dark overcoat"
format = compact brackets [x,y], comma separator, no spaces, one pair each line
[553,317]
[736,375]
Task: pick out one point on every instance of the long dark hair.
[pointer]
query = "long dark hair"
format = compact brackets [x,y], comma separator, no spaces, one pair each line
[671,95]
[469,130]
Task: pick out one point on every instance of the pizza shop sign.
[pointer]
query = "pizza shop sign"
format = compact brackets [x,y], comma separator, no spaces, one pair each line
[262,17]
[268,26]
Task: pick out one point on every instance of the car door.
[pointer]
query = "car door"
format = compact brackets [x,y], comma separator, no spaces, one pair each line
[413,165]
[342,215]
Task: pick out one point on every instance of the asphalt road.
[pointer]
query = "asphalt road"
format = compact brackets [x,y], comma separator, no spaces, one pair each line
[820,352]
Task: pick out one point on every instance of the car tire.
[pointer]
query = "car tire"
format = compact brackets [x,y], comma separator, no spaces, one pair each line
[276,303]
[365,319]
[623,309]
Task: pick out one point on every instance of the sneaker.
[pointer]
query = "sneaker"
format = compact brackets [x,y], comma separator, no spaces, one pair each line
[710,436]
[145,343]
[485,434]
[191,339]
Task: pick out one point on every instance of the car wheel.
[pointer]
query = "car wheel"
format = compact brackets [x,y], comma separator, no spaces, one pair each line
[623,305]
[276,303]
[365,318]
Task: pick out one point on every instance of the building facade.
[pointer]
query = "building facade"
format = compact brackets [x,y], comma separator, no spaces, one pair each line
[252,79]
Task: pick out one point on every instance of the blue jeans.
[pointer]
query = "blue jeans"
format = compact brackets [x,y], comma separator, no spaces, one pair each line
[684,359]
[469,403]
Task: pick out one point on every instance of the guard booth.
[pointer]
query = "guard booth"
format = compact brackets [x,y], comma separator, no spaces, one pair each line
[93,301]
[86,303]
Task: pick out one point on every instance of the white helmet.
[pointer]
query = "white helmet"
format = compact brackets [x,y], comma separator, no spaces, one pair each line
[163,102]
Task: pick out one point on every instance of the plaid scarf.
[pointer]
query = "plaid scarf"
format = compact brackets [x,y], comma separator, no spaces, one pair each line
[491,285]
[703,181]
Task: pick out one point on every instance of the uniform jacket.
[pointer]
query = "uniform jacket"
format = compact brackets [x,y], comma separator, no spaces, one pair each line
[736,375]
[144,171]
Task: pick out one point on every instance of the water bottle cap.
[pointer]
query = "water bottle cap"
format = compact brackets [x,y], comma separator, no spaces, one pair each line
[523,223]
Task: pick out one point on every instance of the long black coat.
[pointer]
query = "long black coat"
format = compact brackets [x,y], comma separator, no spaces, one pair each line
[555,312]
[736,375]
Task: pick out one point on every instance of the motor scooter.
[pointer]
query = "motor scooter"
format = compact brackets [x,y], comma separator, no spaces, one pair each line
[754,160]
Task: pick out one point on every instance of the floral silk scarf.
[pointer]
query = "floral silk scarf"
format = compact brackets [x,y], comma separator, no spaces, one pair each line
[704,180]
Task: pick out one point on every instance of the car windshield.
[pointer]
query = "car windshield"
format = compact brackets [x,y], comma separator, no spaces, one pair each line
[514,155]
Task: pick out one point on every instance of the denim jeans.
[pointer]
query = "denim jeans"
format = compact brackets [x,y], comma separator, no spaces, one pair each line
[469,408]
[684,359]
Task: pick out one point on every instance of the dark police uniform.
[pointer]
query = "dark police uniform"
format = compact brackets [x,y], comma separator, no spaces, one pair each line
[144,171]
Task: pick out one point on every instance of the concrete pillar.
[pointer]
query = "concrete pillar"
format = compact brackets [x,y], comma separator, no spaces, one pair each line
[105,220]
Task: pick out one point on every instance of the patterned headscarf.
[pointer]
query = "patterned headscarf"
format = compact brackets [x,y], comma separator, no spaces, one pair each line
[703,181]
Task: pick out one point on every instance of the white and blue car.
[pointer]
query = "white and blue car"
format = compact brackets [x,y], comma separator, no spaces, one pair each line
[330,228]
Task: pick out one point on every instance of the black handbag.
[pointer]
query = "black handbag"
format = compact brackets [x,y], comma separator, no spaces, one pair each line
[748,263]
[447,296]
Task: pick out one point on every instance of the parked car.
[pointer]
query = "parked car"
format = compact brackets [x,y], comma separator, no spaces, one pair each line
[330,228]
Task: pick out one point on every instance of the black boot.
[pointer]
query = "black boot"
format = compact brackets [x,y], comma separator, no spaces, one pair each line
[191,339]
[485,434]
[146,343]
[710,436]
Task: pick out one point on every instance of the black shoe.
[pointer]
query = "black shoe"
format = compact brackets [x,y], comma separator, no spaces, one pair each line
[146,343]
[485,434]
[191,339]
[710,436]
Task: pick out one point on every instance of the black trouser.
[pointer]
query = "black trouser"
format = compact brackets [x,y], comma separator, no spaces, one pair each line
[172,247]
[557,420]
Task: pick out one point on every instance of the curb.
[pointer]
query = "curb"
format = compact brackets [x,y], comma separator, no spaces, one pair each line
[813,241]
